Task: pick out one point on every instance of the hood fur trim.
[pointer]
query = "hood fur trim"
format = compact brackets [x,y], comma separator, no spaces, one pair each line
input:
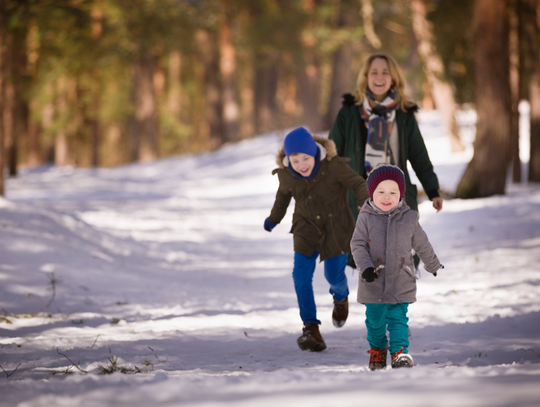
[326,146]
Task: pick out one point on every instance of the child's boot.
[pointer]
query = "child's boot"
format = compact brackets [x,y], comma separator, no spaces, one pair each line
[311,339]
[377,360]
[400,359]
[340,312]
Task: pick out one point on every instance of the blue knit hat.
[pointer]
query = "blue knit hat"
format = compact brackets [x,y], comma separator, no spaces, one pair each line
[300,141]
[383,172]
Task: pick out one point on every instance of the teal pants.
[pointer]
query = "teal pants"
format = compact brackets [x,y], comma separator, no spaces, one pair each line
[381,318]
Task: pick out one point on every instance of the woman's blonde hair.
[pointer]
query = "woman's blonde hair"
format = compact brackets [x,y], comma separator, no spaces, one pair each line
[398,81]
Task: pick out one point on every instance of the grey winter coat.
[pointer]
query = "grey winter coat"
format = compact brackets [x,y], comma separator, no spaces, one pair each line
[387,238]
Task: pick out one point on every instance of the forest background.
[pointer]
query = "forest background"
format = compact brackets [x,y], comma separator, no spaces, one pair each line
[93,83]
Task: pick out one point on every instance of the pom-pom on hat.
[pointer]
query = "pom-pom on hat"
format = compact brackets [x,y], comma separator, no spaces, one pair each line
[383,172]
[300,141]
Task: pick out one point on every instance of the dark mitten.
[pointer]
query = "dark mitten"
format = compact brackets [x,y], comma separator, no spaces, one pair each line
[435,274]
[269,225]
[369,274]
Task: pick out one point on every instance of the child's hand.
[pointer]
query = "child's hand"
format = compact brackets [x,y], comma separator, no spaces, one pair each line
[269,225]
[369,274]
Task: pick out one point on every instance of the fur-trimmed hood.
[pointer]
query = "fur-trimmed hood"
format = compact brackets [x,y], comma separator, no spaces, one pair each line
[326,147]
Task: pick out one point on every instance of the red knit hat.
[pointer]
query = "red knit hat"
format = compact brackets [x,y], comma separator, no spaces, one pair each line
[383,172]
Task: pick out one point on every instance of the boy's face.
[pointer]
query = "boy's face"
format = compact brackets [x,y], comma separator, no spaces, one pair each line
[386,195]
[302,163]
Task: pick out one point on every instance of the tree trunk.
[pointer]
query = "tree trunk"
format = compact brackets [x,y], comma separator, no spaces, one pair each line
[514,88]
[145,145]
[34,132]
[532,32]
[3,19]
[60,138]
[486,173]
[441,91]
[207,42]
[309,89]
[265,85]
[341,69]
[173,90]
[227,66]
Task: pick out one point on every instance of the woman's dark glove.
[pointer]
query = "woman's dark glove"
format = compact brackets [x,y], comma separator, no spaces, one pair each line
[269,225]
[369,274]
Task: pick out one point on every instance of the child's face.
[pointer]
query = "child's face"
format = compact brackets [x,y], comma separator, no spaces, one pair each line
[379,79]
[386,195]
[302,163]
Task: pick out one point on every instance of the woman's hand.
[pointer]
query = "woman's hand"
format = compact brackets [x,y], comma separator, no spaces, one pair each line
[437,203]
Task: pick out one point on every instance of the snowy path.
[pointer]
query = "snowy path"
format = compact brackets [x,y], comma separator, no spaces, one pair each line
[166,267]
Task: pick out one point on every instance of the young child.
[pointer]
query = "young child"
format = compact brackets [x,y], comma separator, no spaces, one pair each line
[386,232]
[311,172]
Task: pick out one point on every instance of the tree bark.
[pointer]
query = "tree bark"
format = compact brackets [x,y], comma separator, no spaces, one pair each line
[441,91]
[514,88]
[341,67]
[3,19]
[486,173]
[265,85]
[61,138]
[309,89]
[207,42]
[227,67]
[145,143]
[532,32]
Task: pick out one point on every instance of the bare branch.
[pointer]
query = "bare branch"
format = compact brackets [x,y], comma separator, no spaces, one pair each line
[10,374]
[76,365]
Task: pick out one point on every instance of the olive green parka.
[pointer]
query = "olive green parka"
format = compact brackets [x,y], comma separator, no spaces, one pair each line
[349,133]
[322,220]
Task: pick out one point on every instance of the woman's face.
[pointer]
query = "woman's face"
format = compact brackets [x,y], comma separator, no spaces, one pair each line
[379,79]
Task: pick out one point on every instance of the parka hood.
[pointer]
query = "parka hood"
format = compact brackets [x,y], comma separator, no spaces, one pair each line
[326,147]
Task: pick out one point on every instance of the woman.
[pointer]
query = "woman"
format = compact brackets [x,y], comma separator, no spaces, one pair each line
[377,124]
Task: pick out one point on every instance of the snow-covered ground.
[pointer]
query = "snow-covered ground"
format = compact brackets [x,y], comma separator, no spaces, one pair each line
[165,269]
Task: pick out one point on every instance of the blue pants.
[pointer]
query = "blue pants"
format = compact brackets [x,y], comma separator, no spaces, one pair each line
[304,268]
[380,317]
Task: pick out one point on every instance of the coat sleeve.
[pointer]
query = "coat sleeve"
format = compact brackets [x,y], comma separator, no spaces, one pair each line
[419,159]
[424,250]
[283,199]
[353,182]
[360,246]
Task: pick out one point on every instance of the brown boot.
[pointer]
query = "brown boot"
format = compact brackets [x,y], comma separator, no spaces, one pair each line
[400,359]
[340,312]
[311,339]
[377,360]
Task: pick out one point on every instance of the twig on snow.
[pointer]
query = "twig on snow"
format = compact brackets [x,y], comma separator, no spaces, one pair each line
[10,374]
[76,365]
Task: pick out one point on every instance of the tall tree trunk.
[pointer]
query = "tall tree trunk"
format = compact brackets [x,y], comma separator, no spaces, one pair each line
[486,173]
[308,77]
[341,68]
[173,90]
[61,138]
[530,13]
[144,125]
[441,91]
[367,16]
[3,19]
[227,66]
[207,41]
[265,85]
[514,88]
[34,131]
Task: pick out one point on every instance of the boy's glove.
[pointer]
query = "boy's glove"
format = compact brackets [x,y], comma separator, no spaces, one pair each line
[269,225]
[369,274]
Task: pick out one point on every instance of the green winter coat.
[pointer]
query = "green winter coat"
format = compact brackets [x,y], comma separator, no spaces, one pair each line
[322,220]
[349,133]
